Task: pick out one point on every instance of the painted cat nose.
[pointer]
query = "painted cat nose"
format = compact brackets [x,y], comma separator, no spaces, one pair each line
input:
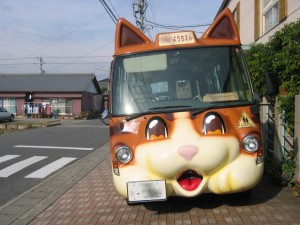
[187,151]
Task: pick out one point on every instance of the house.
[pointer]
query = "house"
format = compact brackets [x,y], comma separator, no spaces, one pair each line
[104,84]
[50,94]
[258,20]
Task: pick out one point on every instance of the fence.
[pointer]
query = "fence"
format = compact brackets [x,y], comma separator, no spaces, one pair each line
[281,145]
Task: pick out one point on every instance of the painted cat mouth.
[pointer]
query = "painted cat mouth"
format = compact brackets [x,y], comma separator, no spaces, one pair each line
[189,180]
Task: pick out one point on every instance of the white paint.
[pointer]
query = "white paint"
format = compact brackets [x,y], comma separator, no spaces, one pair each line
[50,168]
[7,157]
[6,172]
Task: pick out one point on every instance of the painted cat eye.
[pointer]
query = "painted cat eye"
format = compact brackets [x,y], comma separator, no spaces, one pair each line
[213,124]
[156,129]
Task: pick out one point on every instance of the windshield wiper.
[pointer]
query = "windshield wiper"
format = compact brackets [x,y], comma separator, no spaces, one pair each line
[137,115]
[197,111]
[169,107]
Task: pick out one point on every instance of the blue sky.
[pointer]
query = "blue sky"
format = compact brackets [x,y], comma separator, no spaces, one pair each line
[74,36]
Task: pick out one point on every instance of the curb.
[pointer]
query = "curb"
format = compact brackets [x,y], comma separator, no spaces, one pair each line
[53,123]
[28,125]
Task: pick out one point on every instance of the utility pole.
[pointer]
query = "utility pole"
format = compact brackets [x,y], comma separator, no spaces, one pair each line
[139,10]
[41,62]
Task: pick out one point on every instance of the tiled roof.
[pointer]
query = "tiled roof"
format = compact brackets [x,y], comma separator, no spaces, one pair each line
[46,82]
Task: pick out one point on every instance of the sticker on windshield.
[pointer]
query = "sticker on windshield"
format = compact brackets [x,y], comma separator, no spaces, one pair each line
[245,121]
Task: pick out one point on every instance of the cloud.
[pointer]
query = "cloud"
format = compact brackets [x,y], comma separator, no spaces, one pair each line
[77,28]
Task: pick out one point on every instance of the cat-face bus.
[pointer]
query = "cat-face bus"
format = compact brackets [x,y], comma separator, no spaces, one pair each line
[183,119]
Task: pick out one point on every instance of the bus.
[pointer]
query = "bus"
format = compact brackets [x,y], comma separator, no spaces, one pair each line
[182,114]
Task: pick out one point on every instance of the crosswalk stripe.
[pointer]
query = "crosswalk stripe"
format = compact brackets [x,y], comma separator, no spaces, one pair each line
[7,157]
[6,172]
[50,168]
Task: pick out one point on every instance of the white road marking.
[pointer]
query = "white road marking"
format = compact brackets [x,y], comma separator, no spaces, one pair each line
[7,157]
[6,172]
[50,168]
[53,147]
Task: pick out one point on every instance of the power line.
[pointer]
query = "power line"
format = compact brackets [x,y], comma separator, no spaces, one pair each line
[114,8]
[153,13]
[109,11]
[57,57]
[108,43]
[53,63]
[58,39]
[177,27]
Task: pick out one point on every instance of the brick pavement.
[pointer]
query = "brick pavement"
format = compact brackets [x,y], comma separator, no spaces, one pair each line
[93,200]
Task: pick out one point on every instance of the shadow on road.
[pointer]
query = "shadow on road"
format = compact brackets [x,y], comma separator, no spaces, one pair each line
[263,192]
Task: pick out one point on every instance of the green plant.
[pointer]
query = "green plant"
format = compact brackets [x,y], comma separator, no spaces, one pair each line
[88,115]
[282,55]
[287,173]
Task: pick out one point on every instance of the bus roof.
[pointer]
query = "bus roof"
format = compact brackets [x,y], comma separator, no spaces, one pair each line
[223,31]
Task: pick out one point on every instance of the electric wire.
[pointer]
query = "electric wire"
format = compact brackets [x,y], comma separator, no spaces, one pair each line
[114,8]
[109,11]
[102,46]
[177,27]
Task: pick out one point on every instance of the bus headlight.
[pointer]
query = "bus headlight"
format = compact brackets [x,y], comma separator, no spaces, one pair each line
[251,144]
[124,154]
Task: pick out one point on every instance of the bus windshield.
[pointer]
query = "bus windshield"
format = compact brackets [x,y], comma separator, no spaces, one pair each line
[178,80]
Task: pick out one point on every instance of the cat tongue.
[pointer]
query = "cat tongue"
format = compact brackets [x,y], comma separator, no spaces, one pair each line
[190,184]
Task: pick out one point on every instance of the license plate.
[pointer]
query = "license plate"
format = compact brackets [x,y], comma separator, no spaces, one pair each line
[145,191]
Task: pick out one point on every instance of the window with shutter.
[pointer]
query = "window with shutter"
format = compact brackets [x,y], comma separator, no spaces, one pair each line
[274,11]
[282,9]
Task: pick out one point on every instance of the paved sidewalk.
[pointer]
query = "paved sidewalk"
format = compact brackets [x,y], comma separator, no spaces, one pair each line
[93,200]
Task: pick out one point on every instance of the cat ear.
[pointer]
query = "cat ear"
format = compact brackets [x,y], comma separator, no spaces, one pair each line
[223,30]
[128,35]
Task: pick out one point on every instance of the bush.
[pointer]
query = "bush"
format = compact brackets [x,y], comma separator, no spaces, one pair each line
[282,55]
[88,115]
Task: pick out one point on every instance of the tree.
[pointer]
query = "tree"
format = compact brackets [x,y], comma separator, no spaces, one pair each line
[280,54]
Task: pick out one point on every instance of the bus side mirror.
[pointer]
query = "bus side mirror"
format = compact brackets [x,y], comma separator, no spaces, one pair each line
[272,83]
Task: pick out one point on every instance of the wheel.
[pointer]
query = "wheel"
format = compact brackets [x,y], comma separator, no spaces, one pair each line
[11,118]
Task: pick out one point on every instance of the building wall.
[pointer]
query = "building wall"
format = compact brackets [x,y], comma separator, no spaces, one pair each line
[293,13]
[76,104]
[20,110]
[247,20]
[80,101]
[88,101]
[246,28]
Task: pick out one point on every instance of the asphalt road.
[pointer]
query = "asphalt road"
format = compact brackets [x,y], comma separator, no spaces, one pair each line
[29,157]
